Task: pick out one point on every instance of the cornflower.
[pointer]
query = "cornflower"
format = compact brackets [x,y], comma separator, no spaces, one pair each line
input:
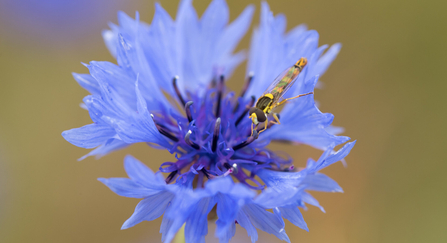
[169,91]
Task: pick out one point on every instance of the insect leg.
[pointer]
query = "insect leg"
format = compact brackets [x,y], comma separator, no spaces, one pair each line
[298,96]
[252,117]
[276,118]
[251,129]
[265,126]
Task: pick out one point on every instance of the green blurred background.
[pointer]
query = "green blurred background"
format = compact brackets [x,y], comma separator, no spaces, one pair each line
[386,88]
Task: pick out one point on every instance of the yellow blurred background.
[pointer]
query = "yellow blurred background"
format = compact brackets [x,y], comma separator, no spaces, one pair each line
[386,88]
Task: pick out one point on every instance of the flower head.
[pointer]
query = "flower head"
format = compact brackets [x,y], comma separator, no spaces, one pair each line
[219,162]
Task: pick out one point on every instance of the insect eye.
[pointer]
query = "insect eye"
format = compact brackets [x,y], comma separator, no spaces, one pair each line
[260,115]
[252,110]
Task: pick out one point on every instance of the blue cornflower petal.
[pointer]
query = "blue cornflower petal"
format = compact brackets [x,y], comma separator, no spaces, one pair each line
[196,226]
[127,188]
[149,208]
[265,49]
[230,197]
[128,25]
[335,130]
[87,82]
[278,196]
[142,183]
[111,109]
[213,23]
[182,207]
[329,157]
[262,220]
[227,209]
[234,32]
[187,35]
[321,182]
[89,136]
[141,127]
[113,77]
[280,179]
[159,51]
[287,187]
[107,78]
[110,41]
[165,227]
[132,59]
[295,217]
[111,145]
[244,221]
[326,60]
[309,199]
[141,174]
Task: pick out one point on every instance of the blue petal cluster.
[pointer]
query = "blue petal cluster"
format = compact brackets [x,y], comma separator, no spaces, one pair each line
[168,90]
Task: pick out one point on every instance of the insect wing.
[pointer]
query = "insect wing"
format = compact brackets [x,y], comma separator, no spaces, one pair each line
[282,83]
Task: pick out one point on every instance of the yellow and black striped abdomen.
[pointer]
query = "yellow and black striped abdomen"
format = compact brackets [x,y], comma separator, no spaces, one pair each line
[265,102]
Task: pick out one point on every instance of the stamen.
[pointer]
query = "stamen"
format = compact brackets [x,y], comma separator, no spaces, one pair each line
[216,135]
[168,135]
[247,142]
[205,173]
[212,83]
[250,105]
[235,169]
[188,110]
[164,130]
[219,95]
[244,89]
[189,142]
[171,176]
[229,171]
[177,91]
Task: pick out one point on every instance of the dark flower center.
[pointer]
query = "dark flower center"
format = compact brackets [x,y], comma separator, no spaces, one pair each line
[214,138]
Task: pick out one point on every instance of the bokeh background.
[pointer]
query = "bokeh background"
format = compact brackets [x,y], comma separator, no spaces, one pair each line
[386,88]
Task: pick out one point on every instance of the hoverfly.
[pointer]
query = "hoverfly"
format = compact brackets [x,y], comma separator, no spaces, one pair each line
[270,99]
